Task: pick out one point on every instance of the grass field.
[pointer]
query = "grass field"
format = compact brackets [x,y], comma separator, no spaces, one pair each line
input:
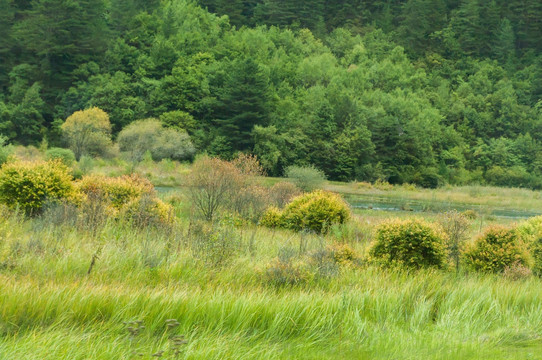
[55,305]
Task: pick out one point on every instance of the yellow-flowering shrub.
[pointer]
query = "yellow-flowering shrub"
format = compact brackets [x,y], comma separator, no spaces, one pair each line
[499,247]
[117,191]
[29,185]
[315,211]
[147,211]
[271,218]
[412,243]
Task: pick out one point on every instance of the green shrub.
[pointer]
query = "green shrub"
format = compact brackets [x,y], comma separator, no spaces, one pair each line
[530,232]
[515,176]
[5,150]
[30,185]
[150,136]
[470,214]
[215,244]
[316,211]
[536,252]
[530,229]
[307,178]
[499,247]
[427,178]
[413,243]
[271,218]
[65,155]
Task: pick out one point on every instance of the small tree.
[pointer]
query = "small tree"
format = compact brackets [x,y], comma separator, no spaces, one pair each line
[88,132]
[456,226]
[211,184]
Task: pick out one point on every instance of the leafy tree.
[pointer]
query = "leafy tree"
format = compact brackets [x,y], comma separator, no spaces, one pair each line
[88,132]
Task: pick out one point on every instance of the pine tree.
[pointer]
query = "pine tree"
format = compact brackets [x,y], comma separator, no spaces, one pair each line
[242,103]
[504,43]
[61,35]
[7,18]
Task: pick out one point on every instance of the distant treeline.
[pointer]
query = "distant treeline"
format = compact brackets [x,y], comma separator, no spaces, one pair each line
[419,91]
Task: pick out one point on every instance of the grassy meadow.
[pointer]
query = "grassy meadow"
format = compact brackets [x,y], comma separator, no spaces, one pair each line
[110,290]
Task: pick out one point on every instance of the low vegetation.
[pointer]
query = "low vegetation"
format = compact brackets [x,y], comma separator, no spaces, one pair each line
[144,273]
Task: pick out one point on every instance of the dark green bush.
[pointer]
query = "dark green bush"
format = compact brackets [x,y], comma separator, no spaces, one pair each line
[427,178]
[413,243]
[498,248]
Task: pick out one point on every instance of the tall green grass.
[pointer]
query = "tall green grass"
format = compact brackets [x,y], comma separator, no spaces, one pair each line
[51,308]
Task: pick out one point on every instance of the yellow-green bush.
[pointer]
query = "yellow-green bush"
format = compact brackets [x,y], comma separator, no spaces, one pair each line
[343,254]
[412,243]
[536,253]
[315,211]
[530,229]
[118,191]
[499,247]
[271,218]
[147,211]
[29,185]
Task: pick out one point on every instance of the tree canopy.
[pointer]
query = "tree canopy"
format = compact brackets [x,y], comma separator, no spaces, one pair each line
[419,91]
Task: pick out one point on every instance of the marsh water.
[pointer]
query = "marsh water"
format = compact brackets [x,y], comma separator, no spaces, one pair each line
[391,204]
[372,202]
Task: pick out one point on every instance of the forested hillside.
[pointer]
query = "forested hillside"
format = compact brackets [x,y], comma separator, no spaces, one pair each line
[420,91]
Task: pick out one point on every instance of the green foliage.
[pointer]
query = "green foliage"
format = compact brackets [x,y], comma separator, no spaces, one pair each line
[30,185]
[88,132]
[316,212]
[530,232]
[5,150]
[412,243]
[65,155]
[419,91]
[307,178]
[150,136]
[499,247]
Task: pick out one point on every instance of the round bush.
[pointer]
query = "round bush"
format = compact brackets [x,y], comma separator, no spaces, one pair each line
[30,185]
[316,211]
[307,178]
[413,243]
[498,248]
[271,218]
[65,155]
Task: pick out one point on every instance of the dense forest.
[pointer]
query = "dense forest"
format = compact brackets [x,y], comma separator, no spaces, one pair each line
[419,91]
